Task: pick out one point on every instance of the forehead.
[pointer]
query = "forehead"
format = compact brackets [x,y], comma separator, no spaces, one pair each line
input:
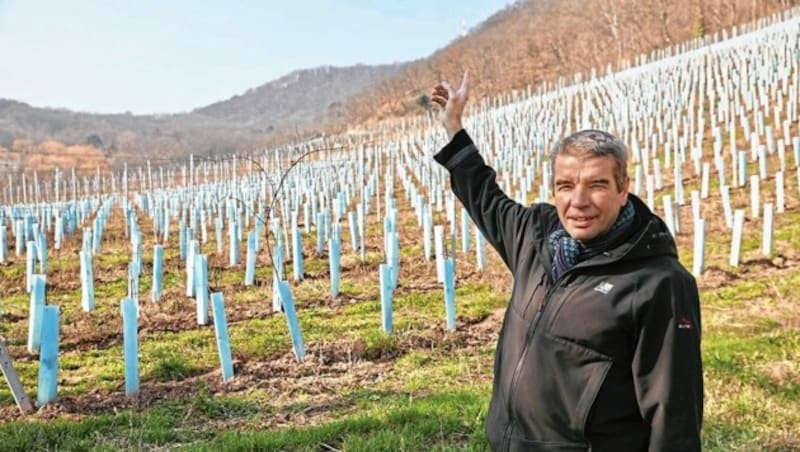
[569,166]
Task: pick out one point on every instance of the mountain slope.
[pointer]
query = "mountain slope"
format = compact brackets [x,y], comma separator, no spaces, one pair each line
[527,43]
[541,40]
[240,123]
[299,97]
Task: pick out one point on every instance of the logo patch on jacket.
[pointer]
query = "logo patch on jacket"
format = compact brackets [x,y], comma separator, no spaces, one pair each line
[685,324]
[604,287]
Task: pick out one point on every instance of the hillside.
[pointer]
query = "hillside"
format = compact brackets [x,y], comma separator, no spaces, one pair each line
[239,123]
[534,41]
[521,46]
[297,98]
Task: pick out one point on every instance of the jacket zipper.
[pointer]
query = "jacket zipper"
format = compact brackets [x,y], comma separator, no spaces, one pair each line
[533,294]
[518,367]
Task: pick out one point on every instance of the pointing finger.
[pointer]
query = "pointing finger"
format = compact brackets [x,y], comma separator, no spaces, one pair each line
[465,81]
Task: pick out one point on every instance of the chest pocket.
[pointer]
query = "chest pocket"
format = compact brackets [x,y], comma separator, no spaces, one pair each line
[528,296]
[593,313]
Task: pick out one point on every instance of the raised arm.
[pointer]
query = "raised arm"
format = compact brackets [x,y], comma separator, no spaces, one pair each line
[506,224]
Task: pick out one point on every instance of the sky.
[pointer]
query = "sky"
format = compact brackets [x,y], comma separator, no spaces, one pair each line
[173,56]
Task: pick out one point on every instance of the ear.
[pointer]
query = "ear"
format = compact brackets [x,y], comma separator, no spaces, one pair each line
[623,191]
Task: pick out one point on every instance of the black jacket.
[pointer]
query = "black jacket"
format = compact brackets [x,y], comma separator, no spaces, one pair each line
[605,358]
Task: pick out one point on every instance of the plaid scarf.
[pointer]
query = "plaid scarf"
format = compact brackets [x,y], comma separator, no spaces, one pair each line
[567,251]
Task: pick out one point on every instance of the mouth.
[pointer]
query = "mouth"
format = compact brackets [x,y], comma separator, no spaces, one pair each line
[582,219]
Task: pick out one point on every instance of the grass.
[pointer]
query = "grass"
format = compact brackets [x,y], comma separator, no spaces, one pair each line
[385,421]
[427,397]
[420,388]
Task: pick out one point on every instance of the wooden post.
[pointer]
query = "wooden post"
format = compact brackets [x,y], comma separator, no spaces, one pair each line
[14,383]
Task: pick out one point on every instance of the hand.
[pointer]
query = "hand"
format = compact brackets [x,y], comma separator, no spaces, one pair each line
[453,102]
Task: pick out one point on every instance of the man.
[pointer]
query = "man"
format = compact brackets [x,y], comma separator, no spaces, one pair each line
[600,346]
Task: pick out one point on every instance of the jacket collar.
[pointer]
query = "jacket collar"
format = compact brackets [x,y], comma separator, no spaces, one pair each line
[649,237]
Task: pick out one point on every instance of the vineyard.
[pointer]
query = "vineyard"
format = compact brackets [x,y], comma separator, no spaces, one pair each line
[334,295]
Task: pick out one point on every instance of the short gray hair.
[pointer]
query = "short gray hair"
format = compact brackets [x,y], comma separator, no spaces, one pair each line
[594,143]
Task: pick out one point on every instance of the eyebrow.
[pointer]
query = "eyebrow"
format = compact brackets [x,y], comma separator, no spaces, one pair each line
[601,180]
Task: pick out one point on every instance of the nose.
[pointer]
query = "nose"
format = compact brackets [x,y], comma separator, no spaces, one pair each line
[580,197]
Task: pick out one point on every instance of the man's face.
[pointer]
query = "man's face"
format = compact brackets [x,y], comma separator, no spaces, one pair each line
[586,195]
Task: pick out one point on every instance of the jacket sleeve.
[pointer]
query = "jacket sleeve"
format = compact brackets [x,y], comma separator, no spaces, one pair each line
[500,219]
[667,363]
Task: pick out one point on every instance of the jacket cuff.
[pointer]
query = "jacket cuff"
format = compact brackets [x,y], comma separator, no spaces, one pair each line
[460,141]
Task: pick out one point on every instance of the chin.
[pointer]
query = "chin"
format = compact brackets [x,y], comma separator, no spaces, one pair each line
[583,235]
